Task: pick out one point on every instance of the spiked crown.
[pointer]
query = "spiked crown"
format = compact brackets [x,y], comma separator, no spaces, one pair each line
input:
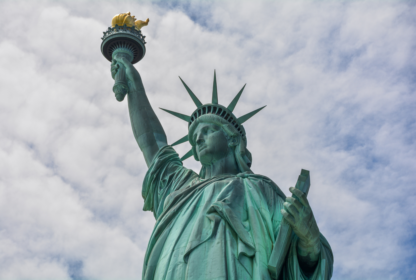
[212,108]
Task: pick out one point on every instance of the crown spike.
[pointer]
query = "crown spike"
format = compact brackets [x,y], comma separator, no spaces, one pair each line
[244,118]
[182,140]
[179,115]
[187,155]
[192,95]
[235,100]
[214,90]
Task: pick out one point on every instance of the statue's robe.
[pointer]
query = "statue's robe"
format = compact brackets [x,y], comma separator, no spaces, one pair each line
[219,228]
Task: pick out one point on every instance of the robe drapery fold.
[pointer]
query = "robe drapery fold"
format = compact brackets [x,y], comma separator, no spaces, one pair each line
[219,228]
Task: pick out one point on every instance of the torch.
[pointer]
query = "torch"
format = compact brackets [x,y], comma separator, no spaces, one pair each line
[123,39]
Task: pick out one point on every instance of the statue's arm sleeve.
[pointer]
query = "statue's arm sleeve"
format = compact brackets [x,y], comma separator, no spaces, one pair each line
[166,174]
[323,269]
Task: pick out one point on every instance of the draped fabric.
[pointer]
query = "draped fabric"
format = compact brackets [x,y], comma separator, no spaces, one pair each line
[218,228]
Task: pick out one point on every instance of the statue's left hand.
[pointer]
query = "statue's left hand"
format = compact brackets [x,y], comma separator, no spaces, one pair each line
[298,213]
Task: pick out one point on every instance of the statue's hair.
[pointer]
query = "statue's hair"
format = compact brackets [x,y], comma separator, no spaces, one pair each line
[235,141]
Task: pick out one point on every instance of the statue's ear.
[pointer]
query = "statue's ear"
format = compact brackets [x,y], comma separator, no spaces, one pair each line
[233,141]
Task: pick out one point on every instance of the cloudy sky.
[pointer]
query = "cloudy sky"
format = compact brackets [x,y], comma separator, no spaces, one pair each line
[338,79]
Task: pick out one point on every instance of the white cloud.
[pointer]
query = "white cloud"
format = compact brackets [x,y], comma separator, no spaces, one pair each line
[337,79]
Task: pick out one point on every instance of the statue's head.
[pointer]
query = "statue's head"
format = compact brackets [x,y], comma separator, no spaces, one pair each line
[211,142]
[213,138]
[214,132]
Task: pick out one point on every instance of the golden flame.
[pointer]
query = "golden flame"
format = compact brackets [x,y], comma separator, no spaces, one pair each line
[129,20]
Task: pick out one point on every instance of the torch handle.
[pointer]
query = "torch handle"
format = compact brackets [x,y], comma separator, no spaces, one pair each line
[120,87]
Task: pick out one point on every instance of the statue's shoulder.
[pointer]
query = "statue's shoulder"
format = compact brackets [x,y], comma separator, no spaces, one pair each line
[263,182]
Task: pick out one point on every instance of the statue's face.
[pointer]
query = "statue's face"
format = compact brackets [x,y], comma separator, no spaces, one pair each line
[210,143]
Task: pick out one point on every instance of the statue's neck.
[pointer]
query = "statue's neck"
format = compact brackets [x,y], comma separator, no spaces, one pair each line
[225,166]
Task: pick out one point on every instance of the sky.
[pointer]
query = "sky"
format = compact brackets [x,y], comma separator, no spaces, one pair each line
[338,79]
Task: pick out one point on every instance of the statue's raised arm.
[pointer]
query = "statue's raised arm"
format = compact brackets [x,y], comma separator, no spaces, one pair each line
[124,45]
[146,126]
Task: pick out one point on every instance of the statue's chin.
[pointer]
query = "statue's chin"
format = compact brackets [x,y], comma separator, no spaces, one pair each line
[208,160]
[206,163]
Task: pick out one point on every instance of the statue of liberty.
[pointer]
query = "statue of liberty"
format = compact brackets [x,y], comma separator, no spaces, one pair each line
[221,223]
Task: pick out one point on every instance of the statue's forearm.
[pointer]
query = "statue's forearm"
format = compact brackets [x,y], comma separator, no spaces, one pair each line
[146,126]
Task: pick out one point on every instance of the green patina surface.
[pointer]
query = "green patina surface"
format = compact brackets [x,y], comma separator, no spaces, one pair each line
[218,228]
[224,222]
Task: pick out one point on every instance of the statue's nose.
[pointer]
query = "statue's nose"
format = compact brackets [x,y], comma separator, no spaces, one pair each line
[199,141]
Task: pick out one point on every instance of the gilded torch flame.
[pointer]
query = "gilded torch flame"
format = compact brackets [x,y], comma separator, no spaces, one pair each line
[129,20]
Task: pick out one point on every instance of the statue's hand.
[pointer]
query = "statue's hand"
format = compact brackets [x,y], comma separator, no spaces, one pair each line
[298,213]
[131,72]
[114,68]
